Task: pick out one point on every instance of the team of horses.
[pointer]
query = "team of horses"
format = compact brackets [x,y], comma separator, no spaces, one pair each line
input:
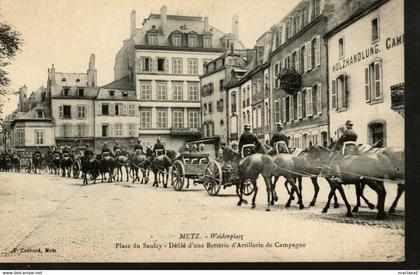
[365,167]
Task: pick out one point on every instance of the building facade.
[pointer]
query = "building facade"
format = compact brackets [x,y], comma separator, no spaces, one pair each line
[298,45]
[72,105]
[366,62]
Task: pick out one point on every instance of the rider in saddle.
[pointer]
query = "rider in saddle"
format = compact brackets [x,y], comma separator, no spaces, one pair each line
[117,148]
[138,146]
[105,149]
[280,137]
[88,153]
[55,151]
[248,142]
[159,148]
[65,150]
[348,135]
[37,153]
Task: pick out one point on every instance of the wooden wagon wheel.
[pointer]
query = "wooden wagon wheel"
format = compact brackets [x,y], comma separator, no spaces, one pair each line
[177,175]
[213,178]
[76,169]
[248,188]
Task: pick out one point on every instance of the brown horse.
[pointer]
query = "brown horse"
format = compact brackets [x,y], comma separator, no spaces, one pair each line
[121,160]
[369,168]
[160,166]
[250,167]
[140,161]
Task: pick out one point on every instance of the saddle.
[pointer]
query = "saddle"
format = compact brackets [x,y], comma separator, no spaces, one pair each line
[281,147]
[159,152]
[247,150]
[349,148]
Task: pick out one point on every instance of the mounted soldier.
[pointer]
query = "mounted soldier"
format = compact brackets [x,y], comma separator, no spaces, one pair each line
[36,154]
[65,150]
[105,149]
[159,148]
[88,153]
[138,146]
[117,149]
[248,142]
[280,141]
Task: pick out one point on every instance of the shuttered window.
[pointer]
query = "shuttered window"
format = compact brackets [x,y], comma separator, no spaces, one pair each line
[309,103]
[299,105]
[319,99]
[284,115]
[333,94]
[291,108]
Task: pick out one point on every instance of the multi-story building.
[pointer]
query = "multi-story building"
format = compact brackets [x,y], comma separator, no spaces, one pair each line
[214,99]
[297,44]
[72,105]
[366,68]
[165,58]
[117,114]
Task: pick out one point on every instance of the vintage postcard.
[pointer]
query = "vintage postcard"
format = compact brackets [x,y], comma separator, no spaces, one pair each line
[202,131]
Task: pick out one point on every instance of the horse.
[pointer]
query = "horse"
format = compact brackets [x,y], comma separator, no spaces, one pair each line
[160,166]
[140,161]
[250,167]
[66,163]
[121,160]
[107,165]
[368,168]
[90,166]
[15,162]
[49,157]
[56,163]
[37,161]
[6,162]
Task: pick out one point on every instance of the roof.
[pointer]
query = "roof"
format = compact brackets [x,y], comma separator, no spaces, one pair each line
[32,115]
[122,89]
[120,84]
[89,92]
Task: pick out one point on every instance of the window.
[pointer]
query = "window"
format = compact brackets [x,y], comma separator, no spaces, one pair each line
[313,50]
[291,108]
[81,112]
[254,117]
[81,92]
[377,135]
[299,105]
[40,114]
[118,129]
[193,119]
[309,103]
[192,41]
[341,47]
[81,130]
[112,93]
[373,82]
[277,111]
[145,119]
[66,91]
[67,130]
[63,79]
[177,65]
[375,30]
[131,109]
[284,110]
[220,105]
[276,75]
[161,64]
[118,111]
[162,119]
[177,91]
[145,64]
[193,66]
[39,137]
[153,40]
[105,109]
[132,130]
[248,95]
[65,111]
[339,93]
[177,119]
[267,114]
[125,94]
[207,42]
[317,98]
[210,108]
[316,51]
[20,138]
[145,90]
[259,116]
[177,40]
[193,92]
[105,130]
[302,59]
[204,109]
[233,100]
[161,91]
[295,61]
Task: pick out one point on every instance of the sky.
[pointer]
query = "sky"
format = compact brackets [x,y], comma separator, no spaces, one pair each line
[66,32]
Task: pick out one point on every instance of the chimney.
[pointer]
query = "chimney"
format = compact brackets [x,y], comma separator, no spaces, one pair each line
[52,72]
[163,19]
[133,23]
[235,26]
[91,73]
[206,24]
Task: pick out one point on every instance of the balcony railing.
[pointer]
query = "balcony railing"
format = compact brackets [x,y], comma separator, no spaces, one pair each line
[397,98]
[185,132]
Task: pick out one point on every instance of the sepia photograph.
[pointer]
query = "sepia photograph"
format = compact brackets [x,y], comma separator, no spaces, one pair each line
[213,131]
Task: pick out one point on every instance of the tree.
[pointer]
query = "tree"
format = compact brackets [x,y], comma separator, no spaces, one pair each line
[10,44]
[290,80]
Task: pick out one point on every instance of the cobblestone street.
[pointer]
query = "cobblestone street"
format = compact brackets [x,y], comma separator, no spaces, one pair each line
[69,222]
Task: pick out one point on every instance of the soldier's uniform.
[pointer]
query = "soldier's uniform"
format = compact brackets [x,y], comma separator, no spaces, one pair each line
[348,135]
[88,153]
[105,149]
[246,139]
[159,146]
[138,147]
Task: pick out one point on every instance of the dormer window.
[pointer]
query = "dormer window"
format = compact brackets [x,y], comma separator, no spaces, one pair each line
[152,39]
[66,91]
[40,114]
[192,41]
[63,79]
[207,43]
[81,92]
[111,93]
[77,80]
[125,94]
[177,41]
